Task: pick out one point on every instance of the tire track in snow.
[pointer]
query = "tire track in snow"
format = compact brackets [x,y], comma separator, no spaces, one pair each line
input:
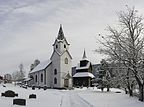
[76,101]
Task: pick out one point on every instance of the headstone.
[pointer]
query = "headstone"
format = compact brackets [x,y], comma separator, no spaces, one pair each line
[9,93]
[19,102]
[32,96]
[33,87]
[45,87]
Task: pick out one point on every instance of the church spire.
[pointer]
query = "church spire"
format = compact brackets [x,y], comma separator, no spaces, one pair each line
[60,34]
[84,55]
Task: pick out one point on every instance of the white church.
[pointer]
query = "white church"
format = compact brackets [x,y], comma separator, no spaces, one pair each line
[56,72]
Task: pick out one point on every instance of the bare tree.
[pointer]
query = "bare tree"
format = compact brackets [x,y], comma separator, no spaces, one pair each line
[20,74]
[126,45]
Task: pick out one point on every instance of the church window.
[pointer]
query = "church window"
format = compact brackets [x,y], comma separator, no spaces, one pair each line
[64,46]
[66,60]
[56,46]
[41,77]
[36,78]
[55,80]
[55,71]
[31,77]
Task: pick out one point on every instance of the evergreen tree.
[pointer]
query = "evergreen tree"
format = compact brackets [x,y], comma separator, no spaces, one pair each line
[104,76]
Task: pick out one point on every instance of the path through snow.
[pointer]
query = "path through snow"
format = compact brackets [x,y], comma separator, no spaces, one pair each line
[72,99]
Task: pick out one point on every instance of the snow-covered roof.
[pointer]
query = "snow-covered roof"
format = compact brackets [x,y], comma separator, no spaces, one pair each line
[27,79]
[85,67]
[41,66]
[84,74]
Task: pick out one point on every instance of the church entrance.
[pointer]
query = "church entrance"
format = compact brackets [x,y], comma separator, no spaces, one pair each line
[66,82]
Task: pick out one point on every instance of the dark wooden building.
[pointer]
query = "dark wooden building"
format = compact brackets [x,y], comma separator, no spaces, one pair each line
[83,75]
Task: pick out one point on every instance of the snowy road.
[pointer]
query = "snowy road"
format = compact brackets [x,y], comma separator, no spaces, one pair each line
[72,99]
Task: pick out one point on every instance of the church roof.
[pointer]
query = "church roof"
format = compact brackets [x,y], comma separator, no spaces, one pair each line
[67,76]
[61,37]
[84,74]
[84,56]
[41,66]
[60,34]
[84,67]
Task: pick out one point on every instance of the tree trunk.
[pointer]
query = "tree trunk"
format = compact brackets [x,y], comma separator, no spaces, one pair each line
[102,89]
[141,92]
[108,88]
[130,91]
[141,89]
[126,92]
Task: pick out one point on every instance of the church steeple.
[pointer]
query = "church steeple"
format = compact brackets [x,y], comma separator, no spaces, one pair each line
[60,33]
[84,55]
[60,45]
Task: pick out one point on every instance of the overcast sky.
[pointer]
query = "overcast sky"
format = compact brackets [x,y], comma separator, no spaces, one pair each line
[28,28]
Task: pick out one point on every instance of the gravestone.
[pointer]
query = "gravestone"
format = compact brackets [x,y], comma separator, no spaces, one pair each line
[19,102]
[32,96]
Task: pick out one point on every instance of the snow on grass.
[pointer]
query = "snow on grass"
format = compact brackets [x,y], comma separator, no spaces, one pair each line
[109,99]
[85,97]
[46,98]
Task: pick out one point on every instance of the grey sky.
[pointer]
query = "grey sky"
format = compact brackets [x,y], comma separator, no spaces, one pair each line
[28,28]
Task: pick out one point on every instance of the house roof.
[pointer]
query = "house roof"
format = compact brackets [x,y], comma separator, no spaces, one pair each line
[41,66]
[84,74]
[85,67]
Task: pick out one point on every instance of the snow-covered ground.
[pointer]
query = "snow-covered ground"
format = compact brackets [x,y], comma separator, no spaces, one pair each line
[69,98]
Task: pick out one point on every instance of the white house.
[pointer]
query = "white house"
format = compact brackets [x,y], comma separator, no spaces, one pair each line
[56,72]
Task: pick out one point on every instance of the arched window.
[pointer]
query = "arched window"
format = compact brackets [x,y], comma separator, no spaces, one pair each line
[31,77]
[64,46]
[55,80]
[56,46]
[55,71]
[36,78]
[41,77]
[66,60]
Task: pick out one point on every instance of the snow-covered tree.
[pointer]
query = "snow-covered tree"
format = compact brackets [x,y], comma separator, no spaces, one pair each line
[36,62]
[20,74]
[104,79]
[126,45]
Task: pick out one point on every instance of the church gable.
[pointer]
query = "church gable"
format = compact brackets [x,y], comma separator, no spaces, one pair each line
[67,52]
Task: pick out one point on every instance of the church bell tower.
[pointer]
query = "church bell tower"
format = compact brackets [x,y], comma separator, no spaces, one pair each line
[61,62]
